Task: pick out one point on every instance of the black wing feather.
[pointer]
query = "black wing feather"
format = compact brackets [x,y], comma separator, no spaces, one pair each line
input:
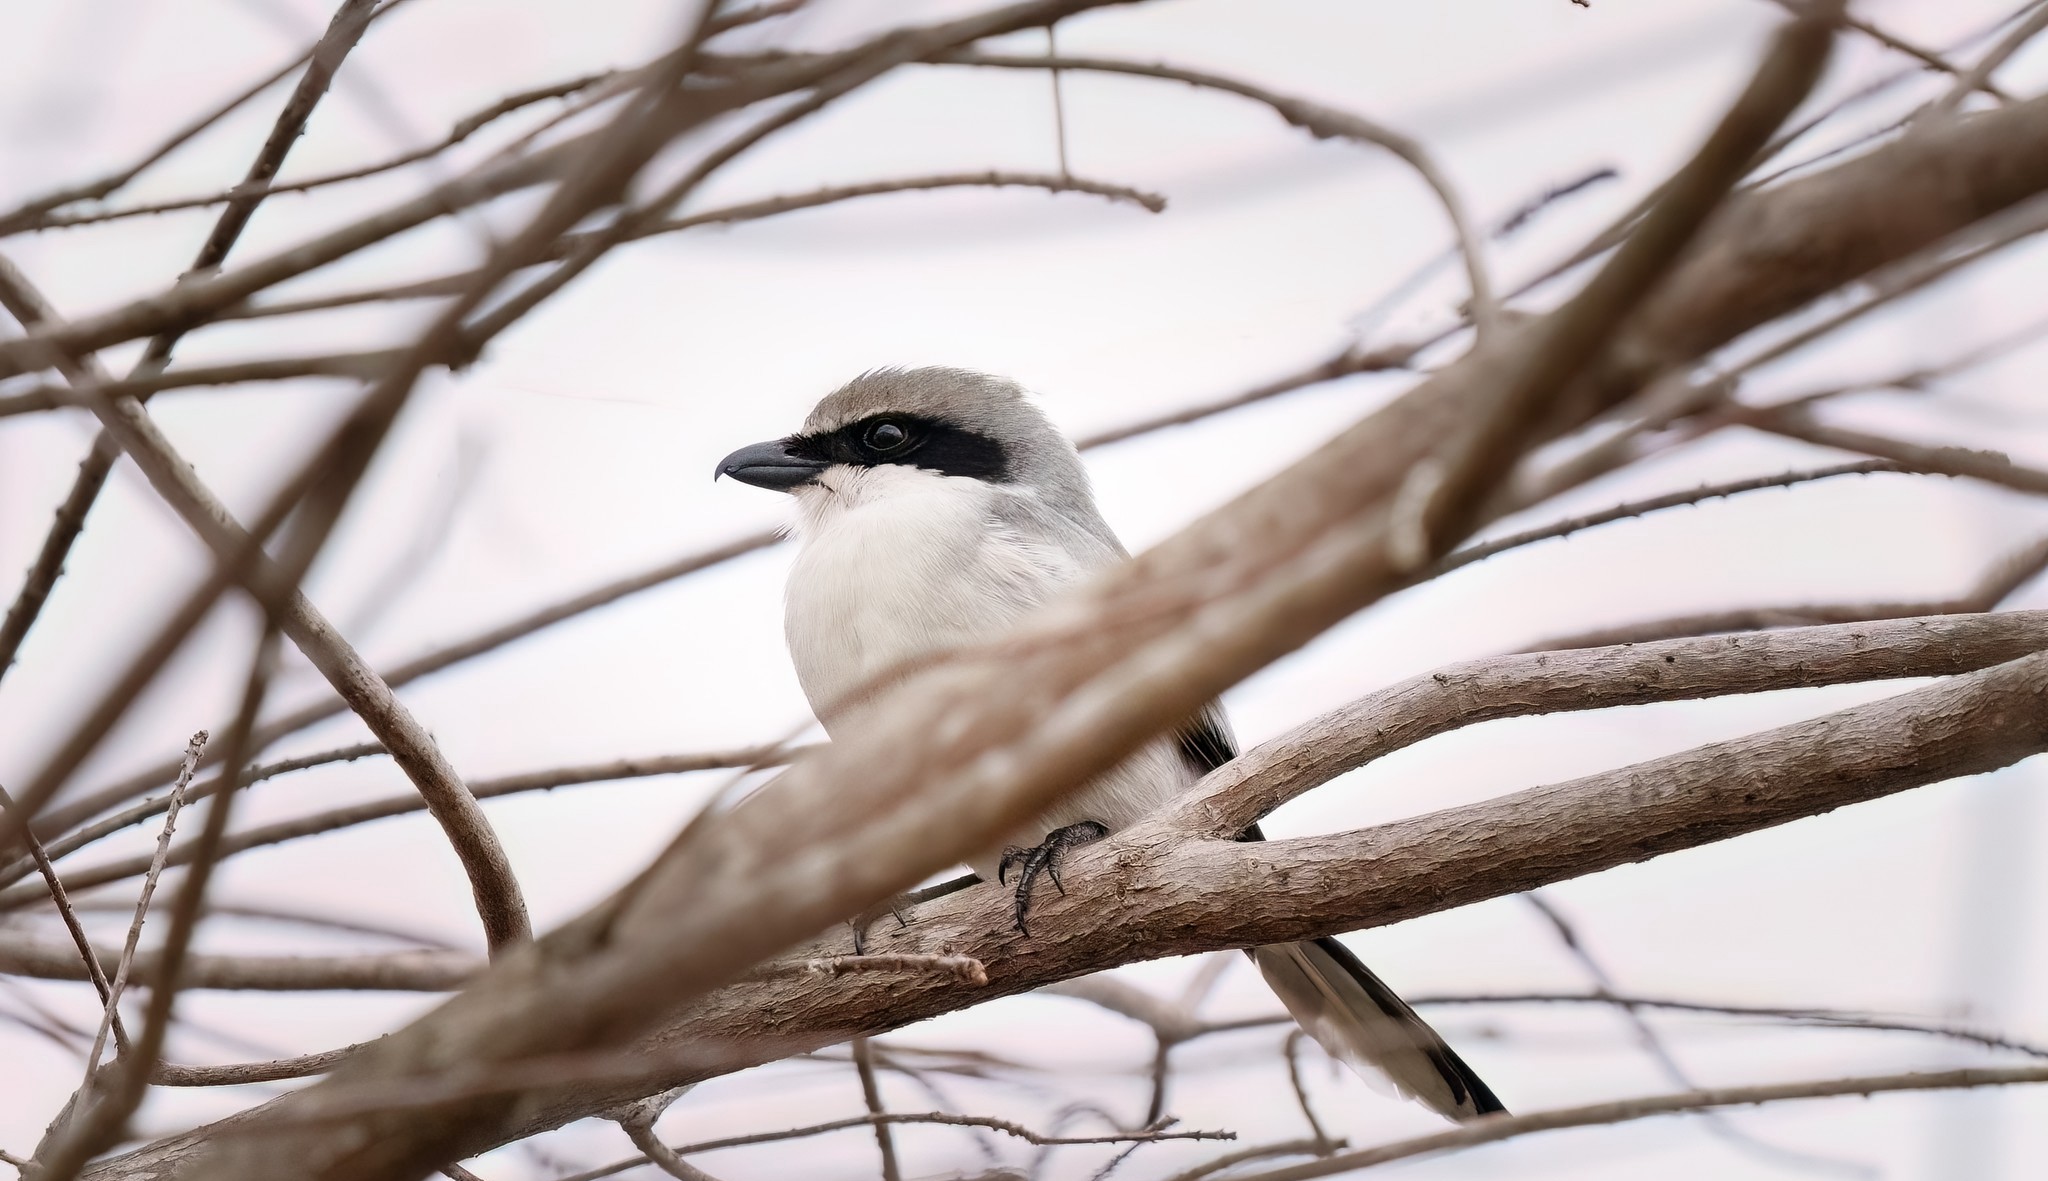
[1206,742]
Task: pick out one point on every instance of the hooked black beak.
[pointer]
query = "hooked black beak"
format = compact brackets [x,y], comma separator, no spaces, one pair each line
[769,465]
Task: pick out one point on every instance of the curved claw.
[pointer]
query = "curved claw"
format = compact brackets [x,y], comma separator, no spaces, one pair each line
[1045,858]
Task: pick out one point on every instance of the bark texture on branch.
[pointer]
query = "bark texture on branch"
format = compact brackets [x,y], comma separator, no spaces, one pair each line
[991,736]
[978,742]
[1153,892]
[1348,737]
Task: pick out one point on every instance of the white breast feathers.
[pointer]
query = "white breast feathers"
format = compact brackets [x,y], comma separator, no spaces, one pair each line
[897,563]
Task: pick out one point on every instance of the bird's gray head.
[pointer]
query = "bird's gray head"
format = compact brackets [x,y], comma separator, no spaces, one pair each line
[950,422]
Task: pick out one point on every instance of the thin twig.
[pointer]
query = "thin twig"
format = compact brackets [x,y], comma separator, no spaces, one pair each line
[1994,467]
[452,284]
[1980,74]
[88,804]
[1823,1018]
[351,815]
[639,1128]
[349,365]
[462,130]
[1497,1128]
[1927,57]
[967,969]
[1320,121]
[1675,1074]
[1290,1049]
[2004,576]
[871,1094]
[740,18]
[947,1119]
[135,814]
[1637,508]
[126,963]
[93,1127]
[237,1074]
[75,929]
[1228,1160]
[342,33]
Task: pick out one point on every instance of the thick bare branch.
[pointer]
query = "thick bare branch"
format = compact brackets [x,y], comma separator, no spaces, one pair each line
[1237,794]
[1174,895]
[1401,715]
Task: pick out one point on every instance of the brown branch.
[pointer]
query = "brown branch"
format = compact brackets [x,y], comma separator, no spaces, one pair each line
[200,299]
[237,1074]
[871,1094]
[1819,1018]
[2004,577]
[1317,1147]
[941,1118]
[1979,75]
[125,964]
[631,951]
[1498,1128]
[739,18]
[1322,1144]
[396,971]
[1372,727]
[412,748]
[76,930]
[1322,122]
[1927,57]
[1672,397]
[1993,467]
[749,211]
[29,213]
[49,397]
[1653,1045]
[639,1128]
[347,27]
[258,188]
[1400,715]
[101,1113]
[1636,508]
[1344,364]
[351,815]
[62,818]
[78,839]
[1258,893]
[965,969]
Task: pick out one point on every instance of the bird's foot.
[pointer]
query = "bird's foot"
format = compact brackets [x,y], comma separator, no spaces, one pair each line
[1044,858]
[861,922]
[895,907]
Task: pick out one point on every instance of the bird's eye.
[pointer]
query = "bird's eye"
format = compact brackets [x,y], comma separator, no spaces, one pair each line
[886,436]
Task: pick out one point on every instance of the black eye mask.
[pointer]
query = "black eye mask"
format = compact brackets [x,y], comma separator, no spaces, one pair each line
[910,440]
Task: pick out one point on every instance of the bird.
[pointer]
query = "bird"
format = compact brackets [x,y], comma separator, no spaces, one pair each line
[934,507]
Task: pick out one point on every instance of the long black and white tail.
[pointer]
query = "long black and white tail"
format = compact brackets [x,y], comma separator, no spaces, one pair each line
[1359,1021]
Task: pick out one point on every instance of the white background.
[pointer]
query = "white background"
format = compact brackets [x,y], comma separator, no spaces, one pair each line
[580,449]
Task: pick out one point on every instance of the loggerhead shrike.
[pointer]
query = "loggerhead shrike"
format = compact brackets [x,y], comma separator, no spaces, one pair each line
[936,506]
